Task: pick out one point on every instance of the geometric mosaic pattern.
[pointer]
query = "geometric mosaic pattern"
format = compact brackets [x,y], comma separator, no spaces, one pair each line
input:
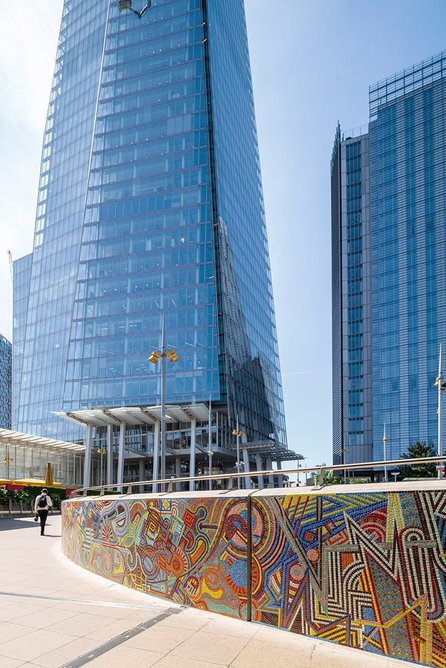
[364,570]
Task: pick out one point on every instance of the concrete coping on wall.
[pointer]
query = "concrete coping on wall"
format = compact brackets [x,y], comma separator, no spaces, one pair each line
[408,486]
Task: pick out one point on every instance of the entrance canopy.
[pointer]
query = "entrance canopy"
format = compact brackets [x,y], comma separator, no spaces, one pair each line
[133,416]
[269,449]
[136,415]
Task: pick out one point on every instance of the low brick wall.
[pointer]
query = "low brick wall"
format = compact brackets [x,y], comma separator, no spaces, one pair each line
[365,569]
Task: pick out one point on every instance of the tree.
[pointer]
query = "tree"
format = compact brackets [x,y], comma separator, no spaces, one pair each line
[419,449]
[330,478]
[24,498]
[3,495]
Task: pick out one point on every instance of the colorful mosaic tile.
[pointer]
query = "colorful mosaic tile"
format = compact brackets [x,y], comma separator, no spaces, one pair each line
[191,551]
[364,570]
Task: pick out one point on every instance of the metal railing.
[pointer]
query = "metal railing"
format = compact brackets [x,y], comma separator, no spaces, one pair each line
[231,477]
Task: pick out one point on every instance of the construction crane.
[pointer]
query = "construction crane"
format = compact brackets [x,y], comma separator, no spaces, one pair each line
[127,4]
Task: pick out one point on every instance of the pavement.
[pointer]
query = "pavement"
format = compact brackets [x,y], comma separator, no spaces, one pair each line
[54,614]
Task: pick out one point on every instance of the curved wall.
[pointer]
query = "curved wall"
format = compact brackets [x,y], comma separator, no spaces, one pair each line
[190,550]
[363,569]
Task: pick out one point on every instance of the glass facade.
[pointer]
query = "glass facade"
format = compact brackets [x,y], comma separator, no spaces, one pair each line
[150,206]
[402,191]
[5,383]
[21,278]
[21,462]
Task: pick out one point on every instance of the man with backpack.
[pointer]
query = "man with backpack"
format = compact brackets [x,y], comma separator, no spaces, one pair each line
[42,505]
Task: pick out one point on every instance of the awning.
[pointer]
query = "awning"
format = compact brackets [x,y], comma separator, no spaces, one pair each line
[34,482]
[8,437]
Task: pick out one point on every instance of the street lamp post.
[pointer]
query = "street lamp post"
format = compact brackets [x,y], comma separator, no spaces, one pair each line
[8,461]
[441,386]
[238,433]
[210,453]
[101,452]
[385,452]
[345,451]
[164,354]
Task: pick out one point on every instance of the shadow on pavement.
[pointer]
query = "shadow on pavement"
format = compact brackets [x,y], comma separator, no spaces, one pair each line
[9,523]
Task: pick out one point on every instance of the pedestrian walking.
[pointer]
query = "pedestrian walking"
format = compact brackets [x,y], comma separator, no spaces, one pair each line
[42,506]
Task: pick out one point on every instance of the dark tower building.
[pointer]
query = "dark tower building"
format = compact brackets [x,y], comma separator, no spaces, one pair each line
[5,383]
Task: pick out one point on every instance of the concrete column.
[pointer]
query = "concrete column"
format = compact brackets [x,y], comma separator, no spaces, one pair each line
[87,460]
[260,481]
[109,454]
[156,454]
[141,474]
[279,466]
[269,466]
[247,468]
[178,473]
[193,426]
[121,454]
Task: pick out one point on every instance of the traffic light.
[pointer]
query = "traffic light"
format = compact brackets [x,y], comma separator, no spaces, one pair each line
[154,357]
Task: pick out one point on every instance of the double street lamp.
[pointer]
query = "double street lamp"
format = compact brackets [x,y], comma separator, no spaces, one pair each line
[127,4]
[239,434]
[7,459]
[164,354]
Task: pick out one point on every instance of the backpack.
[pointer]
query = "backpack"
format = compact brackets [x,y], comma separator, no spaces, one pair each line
[42,501]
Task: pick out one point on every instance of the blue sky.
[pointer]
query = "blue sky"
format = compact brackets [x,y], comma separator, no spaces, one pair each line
[312,63]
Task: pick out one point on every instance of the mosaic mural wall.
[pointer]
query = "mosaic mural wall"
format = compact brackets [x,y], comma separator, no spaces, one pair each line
[191,551]
[365,570]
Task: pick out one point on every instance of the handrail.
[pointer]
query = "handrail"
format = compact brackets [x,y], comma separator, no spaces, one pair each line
[170,482]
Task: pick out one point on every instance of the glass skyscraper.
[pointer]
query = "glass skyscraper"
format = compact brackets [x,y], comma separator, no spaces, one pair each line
[389,267]
[5,383]
[150,203]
